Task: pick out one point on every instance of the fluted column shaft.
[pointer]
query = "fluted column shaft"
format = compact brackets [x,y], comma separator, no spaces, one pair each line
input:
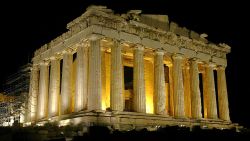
[187,89]
[33,93]
[211,95]
[222,94]
[42,109]
[81,79]
[116,97]
[195,90]
[159,84]
[66,86]
[178,86]
[139,98]
[54,88]
[94,76]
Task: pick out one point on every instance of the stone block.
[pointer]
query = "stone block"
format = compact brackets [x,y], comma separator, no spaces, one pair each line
[127,120]
[173,27]
[96,29]
[151,43]
[130,38]
[110,33]
[157,21]
[203,56]
[219,61]
[185,32]
[170,48]
[194,35]
[188,53]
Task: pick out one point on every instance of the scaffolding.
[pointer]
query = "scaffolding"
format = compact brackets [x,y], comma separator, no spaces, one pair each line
[15,97]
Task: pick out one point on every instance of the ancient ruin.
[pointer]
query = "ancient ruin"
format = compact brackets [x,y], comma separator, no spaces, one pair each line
[128,71]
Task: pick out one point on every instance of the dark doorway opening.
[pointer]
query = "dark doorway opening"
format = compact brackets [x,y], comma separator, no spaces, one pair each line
[128,83]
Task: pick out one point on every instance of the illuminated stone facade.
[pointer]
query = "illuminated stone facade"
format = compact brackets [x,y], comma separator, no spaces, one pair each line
[178,77]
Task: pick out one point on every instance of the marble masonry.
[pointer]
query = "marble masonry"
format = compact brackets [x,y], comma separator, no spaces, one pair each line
[129,71]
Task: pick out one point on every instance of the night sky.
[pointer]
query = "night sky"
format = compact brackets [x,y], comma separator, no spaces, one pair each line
[25,26]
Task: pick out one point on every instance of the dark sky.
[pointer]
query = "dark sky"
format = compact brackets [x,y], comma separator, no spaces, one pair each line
[25,26]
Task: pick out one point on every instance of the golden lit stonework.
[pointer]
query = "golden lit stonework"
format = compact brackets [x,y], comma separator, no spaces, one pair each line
[128,71]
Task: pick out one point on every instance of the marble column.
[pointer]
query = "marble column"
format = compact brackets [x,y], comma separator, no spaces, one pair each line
[66,84]
[178,86]
[222,94]
[139,97]
[116,97]
[171,90]
[210,92]
[81,78]
[94,75]
[54,88]
[42,109]
[195,90]
[159,84]
[187,89]
[33,92]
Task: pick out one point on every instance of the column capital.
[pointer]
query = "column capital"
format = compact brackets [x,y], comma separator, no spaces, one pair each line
[94,37]
[178,56]
[194,59]
[118,42]
[221,67]
[67,51]
[159,52]
[54,58]
[139,47]
[82,43]
[44,63]
[210,64]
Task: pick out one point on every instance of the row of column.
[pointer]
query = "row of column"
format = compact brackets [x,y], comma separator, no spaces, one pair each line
[44,95]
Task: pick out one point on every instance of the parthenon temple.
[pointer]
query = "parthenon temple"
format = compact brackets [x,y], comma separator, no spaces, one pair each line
[129,71]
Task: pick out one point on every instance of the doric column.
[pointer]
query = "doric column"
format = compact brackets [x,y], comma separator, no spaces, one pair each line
[210,92]
[43,91]
[139,99]
[94,75]
[178,86]
[159,84]
[66,84]
[195,90]
[222,94]
[81,78]
[54,88]
[116,97]
[33,93]
[187,90]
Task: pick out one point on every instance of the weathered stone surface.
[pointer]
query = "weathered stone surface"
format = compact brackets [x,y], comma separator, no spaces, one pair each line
[222,94]
[43,91]
[54,88]
[139,99]
[66,84]
[93,85]
[82,78]
[178,87]
[195,90]
[210,91]
[173,27]
[194,35]
[159,83]
[157,21]
[94,76]
[116,97]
